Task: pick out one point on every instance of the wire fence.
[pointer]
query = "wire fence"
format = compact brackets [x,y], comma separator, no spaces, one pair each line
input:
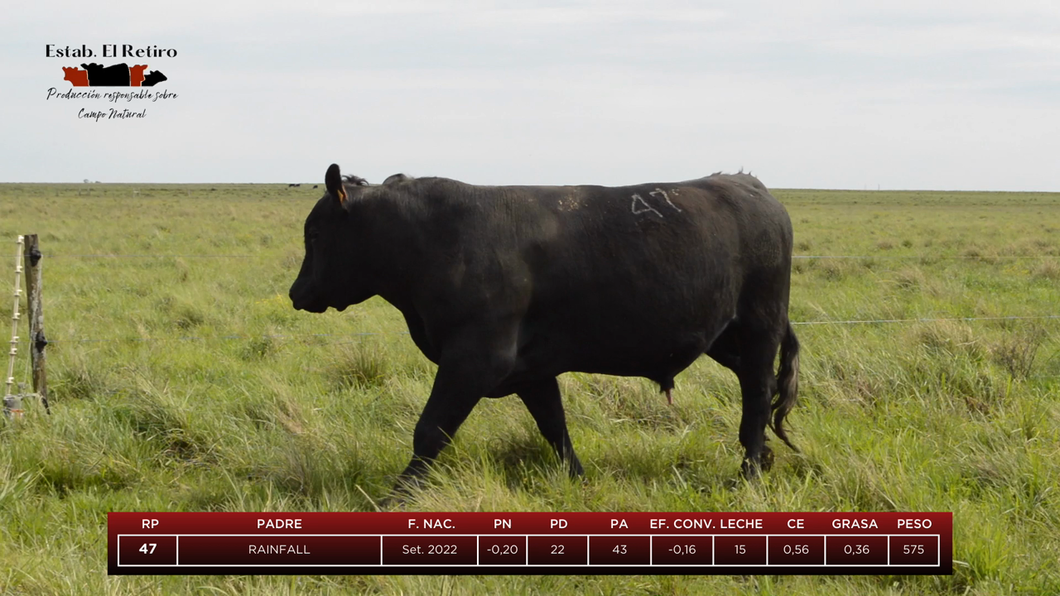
[158,256]
[795,323]
[296,336]
[355,337]
[926,320]
[984,257]
[225,337]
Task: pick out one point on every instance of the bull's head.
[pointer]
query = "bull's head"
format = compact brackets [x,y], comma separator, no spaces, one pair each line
[331,273]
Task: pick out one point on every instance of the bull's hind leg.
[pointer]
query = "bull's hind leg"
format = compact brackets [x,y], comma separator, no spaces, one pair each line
[726,347]
[546,406]
[748,350]
[756,385]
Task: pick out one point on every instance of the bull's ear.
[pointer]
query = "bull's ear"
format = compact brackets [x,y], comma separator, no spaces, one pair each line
[333,182]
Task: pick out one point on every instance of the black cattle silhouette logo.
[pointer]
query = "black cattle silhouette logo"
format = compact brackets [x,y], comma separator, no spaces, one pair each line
[115,75]
[153,77]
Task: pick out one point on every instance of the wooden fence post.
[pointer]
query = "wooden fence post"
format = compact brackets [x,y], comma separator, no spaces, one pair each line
[35,308]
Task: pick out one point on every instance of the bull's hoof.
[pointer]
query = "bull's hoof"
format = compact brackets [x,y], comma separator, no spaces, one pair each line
[393,502]
[577,472]
[753,467]
[402,492]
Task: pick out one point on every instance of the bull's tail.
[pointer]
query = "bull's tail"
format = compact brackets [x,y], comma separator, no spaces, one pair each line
[787,384]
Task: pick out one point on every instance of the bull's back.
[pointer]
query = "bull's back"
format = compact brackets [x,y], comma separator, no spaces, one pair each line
[679,239]
[619,280]
[626,279]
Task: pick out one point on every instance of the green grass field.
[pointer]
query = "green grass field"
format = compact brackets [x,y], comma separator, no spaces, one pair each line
[182,380]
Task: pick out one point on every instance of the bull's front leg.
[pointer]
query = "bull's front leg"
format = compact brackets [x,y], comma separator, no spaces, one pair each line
[447,408]
[462,380]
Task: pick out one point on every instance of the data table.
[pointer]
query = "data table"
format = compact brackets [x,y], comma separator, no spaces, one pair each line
[167,543]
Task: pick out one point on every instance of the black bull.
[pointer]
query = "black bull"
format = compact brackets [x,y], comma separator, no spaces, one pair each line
[506,287]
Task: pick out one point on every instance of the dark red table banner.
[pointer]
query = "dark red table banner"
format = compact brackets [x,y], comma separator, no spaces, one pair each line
[530,542]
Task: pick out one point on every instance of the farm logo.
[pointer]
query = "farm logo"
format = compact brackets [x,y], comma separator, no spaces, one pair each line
[123,75]
[117,75]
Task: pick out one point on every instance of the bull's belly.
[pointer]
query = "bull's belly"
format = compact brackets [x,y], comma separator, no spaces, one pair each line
[654,362]
[657,354]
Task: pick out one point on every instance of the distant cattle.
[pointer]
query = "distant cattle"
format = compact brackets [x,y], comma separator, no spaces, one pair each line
[507,287]
[293,185]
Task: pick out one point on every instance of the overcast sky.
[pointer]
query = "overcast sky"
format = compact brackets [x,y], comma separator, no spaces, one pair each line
[899,94]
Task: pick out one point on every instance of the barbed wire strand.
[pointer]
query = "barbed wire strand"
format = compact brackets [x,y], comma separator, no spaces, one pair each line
[262,256]
[923,320]
[234,337]
[157,256]
[929,257]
